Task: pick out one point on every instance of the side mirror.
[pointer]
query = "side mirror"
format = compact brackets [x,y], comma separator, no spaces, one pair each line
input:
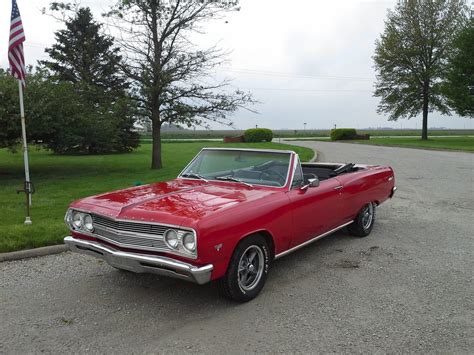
[311,183]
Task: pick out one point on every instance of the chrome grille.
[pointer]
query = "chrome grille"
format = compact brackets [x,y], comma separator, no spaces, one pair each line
[132,241]
[130,234]
[133,227]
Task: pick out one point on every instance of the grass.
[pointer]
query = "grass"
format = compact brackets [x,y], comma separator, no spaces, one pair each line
[448,143]
[61,179]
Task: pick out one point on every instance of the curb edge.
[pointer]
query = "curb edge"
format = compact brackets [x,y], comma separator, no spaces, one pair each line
[33,253]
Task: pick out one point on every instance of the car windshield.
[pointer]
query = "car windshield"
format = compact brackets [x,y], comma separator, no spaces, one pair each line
[245,166]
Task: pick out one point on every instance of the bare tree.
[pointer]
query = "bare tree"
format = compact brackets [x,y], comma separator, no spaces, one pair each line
[171,76]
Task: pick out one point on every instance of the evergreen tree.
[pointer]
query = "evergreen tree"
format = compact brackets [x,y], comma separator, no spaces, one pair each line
[87,61]
[82,54]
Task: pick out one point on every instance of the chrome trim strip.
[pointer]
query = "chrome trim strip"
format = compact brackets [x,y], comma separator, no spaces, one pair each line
[311,240]
[140,263]
[250,150]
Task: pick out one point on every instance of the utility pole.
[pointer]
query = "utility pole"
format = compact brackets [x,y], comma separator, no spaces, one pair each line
[304,124]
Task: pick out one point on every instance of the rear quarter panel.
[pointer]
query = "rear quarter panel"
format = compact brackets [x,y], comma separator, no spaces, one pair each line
[373,184]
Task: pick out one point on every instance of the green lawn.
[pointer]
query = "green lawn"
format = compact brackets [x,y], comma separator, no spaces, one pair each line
[61,179]
[449,143]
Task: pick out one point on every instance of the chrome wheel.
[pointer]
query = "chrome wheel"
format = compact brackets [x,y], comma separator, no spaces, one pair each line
[250,268]
[367,216]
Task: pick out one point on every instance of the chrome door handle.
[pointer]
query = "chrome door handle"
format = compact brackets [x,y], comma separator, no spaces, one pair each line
[338,187]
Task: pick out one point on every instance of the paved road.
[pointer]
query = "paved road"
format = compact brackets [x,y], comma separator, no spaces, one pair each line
[406,288]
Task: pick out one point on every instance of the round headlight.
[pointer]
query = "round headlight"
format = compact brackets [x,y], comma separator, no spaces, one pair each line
[171,238]
[77,220]
[88,223]
[189,242]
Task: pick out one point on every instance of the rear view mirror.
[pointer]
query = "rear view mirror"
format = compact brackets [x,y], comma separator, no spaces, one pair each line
[311,183]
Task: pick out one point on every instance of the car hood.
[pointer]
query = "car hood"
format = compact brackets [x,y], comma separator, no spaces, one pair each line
[179,202]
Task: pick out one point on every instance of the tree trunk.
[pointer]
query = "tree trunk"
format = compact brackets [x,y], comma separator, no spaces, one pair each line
[156,150]
[424,129]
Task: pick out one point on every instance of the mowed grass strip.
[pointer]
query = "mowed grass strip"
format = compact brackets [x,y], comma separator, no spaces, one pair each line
[444,143]
[59,180]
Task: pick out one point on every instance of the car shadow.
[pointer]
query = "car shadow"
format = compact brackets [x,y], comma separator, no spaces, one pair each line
[152,289]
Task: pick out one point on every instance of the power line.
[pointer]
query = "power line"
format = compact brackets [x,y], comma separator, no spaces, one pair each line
[295,75]
[309,90]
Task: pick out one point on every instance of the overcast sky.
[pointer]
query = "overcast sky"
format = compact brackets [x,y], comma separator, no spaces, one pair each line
[306,61]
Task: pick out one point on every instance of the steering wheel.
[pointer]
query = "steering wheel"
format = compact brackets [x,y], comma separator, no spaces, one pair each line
[344,168]
[270,173]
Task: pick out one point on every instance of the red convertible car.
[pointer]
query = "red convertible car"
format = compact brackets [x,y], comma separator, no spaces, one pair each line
[227,216]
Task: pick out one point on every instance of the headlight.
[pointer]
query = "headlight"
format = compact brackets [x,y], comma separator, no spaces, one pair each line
[77,220]
[189,242]
[171,238]
[88,226]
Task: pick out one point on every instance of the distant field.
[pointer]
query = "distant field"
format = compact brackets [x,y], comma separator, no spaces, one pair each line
[218,134]
[61,179]
[449,143]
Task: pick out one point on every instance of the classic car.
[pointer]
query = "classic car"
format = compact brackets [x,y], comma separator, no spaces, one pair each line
[227,216]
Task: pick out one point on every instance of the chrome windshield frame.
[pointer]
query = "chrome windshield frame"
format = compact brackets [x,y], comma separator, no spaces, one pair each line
[289,173]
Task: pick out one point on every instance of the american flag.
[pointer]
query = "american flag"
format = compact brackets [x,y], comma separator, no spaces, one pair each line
[16,57]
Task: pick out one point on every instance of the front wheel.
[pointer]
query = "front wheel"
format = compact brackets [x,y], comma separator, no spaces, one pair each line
[247,271]
[364,222]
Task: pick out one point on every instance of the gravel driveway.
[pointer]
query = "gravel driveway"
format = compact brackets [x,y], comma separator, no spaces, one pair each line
[406,288]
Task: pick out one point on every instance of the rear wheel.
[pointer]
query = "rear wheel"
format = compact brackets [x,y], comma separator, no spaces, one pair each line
[364,221]
[247,271]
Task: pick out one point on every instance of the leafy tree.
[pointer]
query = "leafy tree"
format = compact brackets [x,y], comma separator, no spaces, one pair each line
[171,75]
[411,57]
[74,127]
[459,86]
[10,129]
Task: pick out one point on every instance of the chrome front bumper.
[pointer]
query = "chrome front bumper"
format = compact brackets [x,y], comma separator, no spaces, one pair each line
[141,263]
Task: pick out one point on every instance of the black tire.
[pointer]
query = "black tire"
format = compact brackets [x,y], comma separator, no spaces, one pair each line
[361,227]
[232,285]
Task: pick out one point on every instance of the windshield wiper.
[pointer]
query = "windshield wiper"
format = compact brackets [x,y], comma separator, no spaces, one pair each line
[230,178]
[194,175]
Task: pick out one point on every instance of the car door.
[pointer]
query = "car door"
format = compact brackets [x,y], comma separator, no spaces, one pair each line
[315,210]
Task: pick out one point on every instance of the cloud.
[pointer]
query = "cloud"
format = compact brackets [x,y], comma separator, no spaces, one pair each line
[305,60]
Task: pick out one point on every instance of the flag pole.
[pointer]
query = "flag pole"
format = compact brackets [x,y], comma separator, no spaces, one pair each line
[25,156]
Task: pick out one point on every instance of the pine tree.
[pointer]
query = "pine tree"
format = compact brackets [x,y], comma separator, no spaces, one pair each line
[82,54]
[88,60]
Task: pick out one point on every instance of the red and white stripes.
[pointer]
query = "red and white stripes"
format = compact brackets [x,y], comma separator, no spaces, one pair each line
[16,56]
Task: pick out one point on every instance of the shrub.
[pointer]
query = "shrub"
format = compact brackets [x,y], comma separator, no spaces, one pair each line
[339,134]
[255,135]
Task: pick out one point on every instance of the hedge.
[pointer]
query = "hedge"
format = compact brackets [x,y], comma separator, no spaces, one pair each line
[255,135]
[338,134]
